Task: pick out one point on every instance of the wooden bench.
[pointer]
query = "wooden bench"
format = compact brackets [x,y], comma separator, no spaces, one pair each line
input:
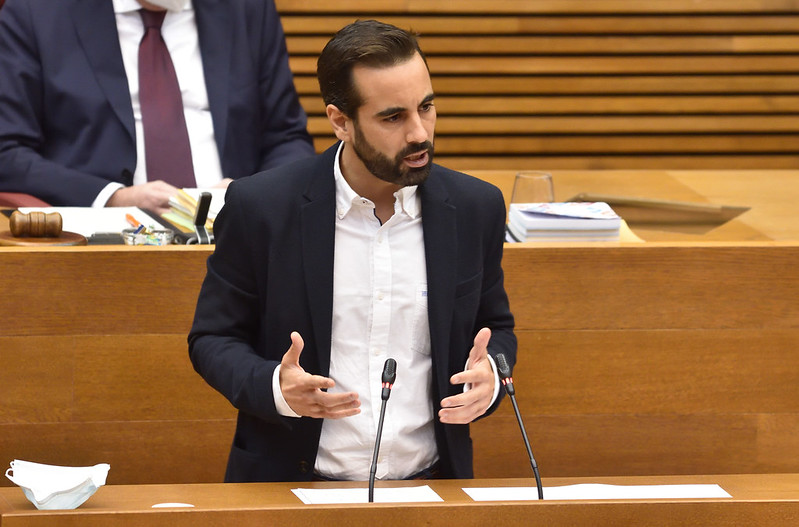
[576,84]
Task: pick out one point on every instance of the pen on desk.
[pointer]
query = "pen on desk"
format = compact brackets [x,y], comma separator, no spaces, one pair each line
[134,223]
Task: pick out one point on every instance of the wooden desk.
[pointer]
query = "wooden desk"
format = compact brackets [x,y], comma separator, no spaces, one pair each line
[771,195]
[757,500]
[670,357]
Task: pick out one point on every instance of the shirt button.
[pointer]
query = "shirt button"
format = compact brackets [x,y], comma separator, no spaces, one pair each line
[380,296]
[304,467]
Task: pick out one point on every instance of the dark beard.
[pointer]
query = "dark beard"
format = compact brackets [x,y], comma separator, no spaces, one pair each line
[393,171]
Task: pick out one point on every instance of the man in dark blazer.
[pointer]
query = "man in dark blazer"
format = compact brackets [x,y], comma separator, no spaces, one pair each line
[66,120]
[284,266]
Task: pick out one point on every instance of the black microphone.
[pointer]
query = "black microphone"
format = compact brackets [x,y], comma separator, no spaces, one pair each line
[389,375]
[504,374]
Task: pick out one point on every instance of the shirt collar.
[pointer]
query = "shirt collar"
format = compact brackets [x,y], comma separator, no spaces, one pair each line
[345,197]
[127,6]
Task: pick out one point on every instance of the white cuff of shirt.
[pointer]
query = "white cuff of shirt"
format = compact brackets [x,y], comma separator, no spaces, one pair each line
[105,194]
[281,405]
[468,386]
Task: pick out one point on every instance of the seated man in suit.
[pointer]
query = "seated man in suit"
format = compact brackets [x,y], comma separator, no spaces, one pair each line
[326,267]
[75,129]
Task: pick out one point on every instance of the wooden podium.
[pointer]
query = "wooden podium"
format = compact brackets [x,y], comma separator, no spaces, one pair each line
[757,500]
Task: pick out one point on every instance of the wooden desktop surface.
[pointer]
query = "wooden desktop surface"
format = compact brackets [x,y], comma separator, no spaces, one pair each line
[771,195]
[757,500]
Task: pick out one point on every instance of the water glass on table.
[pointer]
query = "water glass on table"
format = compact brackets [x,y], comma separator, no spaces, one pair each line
[533,187]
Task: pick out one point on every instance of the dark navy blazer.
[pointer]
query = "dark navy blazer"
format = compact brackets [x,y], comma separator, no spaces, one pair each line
[272,273]
[66,120]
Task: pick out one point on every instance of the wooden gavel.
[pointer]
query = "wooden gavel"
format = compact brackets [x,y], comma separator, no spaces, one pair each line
[35,224]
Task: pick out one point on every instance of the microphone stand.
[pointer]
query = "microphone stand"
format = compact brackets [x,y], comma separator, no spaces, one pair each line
[504,372]
[527,446]
[373,469]
[389,376]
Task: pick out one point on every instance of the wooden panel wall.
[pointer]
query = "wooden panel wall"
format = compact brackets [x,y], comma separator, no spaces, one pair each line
[635,359]
[94,364]
[552,84]
[651,360]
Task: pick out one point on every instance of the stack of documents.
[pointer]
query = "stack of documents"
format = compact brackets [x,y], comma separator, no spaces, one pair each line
[567,221]
[183,207]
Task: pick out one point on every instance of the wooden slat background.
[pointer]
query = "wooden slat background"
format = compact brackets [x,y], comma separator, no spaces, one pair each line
[557,84]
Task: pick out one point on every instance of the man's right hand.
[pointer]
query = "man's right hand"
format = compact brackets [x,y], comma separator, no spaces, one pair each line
[153,195]
[304,393]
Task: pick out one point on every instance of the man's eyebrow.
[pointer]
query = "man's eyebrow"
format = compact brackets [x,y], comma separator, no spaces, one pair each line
[391,111]
[399,109]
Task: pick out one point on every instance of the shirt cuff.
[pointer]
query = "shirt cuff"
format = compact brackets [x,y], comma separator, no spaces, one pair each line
[105,194]
[281,405]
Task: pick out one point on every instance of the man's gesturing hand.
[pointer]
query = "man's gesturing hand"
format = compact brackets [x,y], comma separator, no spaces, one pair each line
[304,392]
[471,404]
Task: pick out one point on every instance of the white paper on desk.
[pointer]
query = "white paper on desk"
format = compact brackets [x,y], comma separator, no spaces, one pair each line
[596,491]
[382,495]
[89,220]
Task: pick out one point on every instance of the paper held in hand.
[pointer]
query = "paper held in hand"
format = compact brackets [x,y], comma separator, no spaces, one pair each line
[565,221]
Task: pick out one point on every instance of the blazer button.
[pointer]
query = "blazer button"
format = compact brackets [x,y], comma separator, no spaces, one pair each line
[304,467]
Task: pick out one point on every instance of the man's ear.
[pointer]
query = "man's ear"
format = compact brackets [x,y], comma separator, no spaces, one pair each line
[342,125]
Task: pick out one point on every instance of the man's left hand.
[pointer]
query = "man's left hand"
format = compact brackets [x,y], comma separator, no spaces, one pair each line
[471,404]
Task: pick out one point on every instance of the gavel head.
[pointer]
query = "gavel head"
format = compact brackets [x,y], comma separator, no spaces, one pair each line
[35,224]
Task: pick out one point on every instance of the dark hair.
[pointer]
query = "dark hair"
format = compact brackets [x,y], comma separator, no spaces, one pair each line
[364,42]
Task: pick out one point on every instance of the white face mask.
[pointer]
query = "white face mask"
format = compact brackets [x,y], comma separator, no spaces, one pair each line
[170,5]
[56,487]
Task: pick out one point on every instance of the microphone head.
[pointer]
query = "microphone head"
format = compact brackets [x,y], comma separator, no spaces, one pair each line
[389,371]
[502,366]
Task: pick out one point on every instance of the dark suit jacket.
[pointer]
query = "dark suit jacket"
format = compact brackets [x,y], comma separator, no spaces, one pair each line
[272,273]
[66,120]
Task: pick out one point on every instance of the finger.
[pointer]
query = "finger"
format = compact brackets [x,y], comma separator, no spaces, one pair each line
[292,356]
[479,350]
[475,395]
[340,402]
[330,406]
[462,414]
[480,373]
[317,382]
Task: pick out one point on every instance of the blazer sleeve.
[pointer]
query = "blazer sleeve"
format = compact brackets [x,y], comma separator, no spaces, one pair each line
[22,116]
[222,340]
[494,311]
[284,134]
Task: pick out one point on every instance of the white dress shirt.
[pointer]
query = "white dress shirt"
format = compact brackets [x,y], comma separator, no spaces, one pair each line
[379,312]
[379,277]
[180,34]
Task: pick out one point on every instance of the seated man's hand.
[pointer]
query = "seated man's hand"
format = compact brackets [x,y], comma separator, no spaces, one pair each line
[224,183]
[153,195]
[304,393]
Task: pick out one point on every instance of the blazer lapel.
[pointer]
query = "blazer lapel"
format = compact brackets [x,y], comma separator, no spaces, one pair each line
[215,32]
[441,249]
[318,228]
[95,25]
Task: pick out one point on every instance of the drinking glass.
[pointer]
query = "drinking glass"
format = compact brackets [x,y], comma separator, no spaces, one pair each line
[533,187]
